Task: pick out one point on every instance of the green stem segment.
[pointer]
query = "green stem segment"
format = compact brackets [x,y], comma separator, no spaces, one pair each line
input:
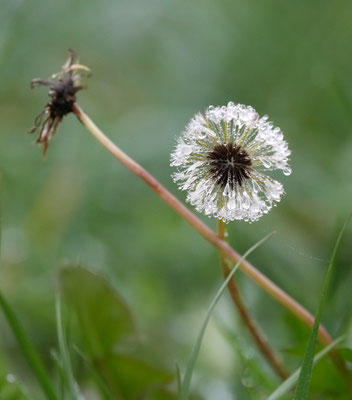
[265,348]
[28,350]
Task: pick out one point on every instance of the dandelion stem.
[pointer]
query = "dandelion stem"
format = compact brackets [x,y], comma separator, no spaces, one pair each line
[259,338]
[270,287]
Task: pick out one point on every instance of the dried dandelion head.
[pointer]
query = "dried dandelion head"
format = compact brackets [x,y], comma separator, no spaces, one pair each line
[63,87]
[223,157]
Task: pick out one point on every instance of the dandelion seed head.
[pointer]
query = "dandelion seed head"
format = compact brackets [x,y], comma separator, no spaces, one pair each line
[222,159]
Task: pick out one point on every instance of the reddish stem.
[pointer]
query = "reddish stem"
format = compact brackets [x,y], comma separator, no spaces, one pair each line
[270,287]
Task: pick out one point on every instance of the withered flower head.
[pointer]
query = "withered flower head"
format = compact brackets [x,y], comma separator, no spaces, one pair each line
[63,87]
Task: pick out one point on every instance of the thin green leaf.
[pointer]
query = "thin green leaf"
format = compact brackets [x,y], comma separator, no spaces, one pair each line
[288,384]
[99,381]
[15,326]
[186,382]
[251,363]
[28,350]
[62,378]
[305,375]
[179,379]
[64,353]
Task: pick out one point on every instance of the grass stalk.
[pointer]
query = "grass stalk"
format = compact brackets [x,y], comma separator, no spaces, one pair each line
[186,381]
[28,350]
[267,351]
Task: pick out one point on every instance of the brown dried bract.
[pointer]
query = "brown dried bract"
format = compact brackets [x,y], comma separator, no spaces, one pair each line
[63,87]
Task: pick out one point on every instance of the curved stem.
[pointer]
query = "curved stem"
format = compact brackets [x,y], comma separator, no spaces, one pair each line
[262,343]
[270,287]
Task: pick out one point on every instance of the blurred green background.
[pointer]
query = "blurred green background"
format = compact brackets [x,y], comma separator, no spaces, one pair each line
[156,63]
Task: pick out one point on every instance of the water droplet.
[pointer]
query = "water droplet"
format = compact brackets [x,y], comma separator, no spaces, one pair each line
[231,204]
[265,162]
[246,202]
[227,190]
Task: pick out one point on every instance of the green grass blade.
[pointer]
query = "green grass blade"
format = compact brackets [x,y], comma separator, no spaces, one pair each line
[61,375]
[288,384]
[254,368]
[179,379]
[28,350]
[99,381]
[64,353]
[305,375]
[186,382]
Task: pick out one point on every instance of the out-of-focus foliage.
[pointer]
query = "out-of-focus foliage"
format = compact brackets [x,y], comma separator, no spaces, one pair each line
[155,63]
[10,389]
[103,317]
[107,333]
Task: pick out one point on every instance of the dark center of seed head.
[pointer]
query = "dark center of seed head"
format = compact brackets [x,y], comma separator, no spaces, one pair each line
[229,163]
[63,97]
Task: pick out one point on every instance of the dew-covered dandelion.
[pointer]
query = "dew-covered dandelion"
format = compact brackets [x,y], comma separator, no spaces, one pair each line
[222,159]
[63,87]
